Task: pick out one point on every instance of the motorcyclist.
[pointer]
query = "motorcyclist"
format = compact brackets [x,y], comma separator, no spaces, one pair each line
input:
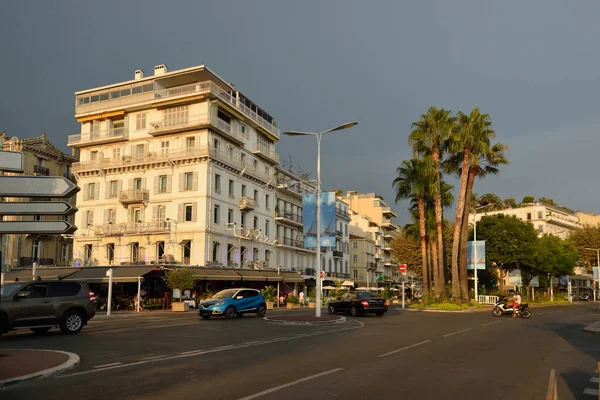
[515,301]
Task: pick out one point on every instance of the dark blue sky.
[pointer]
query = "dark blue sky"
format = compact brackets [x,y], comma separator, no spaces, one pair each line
[314,64]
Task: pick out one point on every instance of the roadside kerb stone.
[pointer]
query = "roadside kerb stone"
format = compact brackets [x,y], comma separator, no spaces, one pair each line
[305,320]
[21,357]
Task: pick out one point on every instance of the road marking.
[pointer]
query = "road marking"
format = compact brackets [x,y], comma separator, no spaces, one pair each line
[153,357]
[108,365]
[403,348]
[289,384]
[594,380]
[254,342]
[491,323]
[193,353]
[593,392]
[456,333]
[224,347]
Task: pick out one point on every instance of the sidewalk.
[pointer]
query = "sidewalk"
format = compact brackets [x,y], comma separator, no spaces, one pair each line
[22,365]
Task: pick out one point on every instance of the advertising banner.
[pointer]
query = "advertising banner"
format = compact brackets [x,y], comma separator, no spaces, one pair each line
[328,221]
[480,254]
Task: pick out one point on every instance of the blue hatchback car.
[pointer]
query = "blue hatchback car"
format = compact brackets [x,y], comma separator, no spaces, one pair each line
[231,303]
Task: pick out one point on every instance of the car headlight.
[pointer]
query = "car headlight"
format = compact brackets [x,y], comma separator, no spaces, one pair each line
[219,303]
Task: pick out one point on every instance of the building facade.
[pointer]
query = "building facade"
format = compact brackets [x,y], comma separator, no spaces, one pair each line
[174,168]
[40,158]
[335,261]
[588,219]
[363,265]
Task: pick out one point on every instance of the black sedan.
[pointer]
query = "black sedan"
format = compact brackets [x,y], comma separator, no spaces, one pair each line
[358,303]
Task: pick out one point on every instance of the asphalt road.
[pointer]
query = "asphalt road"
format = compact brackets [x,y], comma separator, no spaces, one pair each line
[405,354]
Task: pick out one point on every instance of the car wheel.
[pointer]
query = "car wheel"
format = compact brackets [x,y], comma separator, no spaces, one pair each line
[230,313]
[262,311]
[497,312]
[239,315]
[379,314]
[40,331]
[331,309]
[72,322]
[354,311]
[205,316]
[526,314]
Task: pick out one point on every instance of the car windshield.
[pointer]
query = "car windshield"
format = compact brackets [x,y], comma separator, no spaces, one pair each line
[367,295]
[9,288]
[224,294]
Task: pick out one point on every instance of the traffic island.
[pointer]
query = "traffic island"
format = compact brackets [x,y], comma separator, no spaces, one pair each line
[305,319]
[18,366]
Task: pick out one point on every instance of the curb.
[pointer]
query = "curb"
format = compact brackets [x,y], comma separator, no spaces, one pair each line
[274,321]
[71,363]
[593,328]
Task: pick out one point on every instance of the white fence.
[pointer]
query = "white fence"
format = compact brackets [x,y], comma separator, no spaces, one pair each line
[487,299]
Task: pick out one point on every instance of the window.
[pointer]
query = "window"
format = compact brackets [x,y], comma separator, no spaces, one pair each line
[162,184]
[64,252]
[267,202]
[268,171]
[243,159]
[242,255]
[137,183]
[136,215]
[164,147]
[267,227]
[354,257]
[93,155]
[186,251]
[175,116]
[140,121]
[37,217]
[540,228]
[161,212]
[255,223]
[243,131]
[135,251]
[113,188]
[230,216]
[231,189]
[189,214]
[116,154]
[355,271]
[188,179]
[243,190]
[243,220]
[216,144]
[190,142]
[256,197]
[87,252]
[528,216]
[216,212]
[160,250]
[345,230]
[118,126]
[35,249]
[217,183]
[63,289]
[255,164]
[111,217]
[140,149]
[91,193]
[216,250]
[89,218]
[110,253]
[230,250]
[36,290]
[540,213]
[355,245]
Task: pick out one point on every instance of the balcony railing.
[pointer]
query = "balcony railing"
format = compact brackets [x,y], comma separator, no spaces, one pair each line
[388,211]
[246,203]
[371,265]
[41,171]
[339,234]
[285,215]
[27,261]
[103,136]
[342,213]
[133,196]
[338,254]
[266,152]
[285,241]
[131,228]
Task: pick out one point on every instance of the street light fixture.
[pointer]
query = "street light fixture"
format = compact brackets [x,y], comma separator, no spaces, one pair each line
[475,246]
[318,135]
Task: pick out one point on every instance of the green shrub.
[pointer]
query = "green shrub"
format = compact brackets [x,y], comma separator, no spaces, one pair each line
[269,293]
[292,299]
[180,278]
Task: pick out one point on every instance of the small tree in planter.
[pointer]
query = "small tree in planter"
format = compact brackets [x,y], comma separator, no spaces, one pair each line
[181,279]
[312,298]
[292,301]
[269,295]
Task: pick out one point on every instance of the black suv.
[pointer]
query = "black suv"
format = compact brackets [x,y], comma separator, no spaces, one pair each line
[42,305]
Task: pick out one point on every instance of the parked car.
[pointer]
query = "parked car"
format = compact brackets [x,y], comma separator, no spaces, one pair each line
[357,303]
[42,305]
[231,303]
[585,296]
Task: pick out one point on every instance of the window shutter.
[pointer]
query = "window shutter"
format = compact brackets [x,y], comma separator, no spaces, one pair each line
[119,186]
[194,209]
[144,182]
[106,216]
[195,181]
[130,214]
[97,191]
[156,183]
[83,220]
[91,218]
[181,181]
[131,184]
[107,189]
[154,213]
[86,191]
[169,179]
[180,213]
[143,214]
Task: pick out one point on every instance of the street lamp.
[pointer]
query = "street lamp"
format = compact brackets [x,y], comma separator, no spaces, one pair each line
[475,246]
[318,135]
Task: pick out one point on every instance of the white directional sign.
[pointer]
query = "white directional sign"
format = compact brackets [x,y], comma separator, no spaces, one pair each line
[36,186]
[48,227]
[11,161]
[37,208]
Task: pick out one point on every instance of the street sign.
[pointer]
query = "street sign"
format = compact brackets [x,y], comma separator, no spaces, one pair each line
[11,161]
[37,208]
[402,268]
[36,186]
[45,227]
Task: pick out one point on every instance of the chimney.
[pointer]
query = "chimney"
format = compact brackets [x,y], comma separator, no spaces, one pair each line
[160,69]
[139,74]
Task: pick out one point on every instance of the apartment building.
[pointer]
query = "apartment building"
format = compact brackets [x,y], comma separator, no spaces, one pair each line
[335,261]
[545,219]
[363,266]
[175,168]
[379,214]
[290,251]
[41,158]
[588,219]
[364,227]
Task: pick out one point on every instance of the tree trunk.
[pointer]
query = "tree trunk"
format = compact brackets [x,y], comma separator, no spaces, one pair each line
[423,235]
[439,224]
[463,271]
[457,287]
[439,287]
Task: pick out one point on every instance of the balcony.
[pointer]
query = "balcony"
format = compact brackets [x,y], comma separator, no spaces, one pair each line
[339,234]
[28,261]
[289,242]
[266,153]
[134,196]
[342,213]
[371,266]
[338,254]
[247,204]
[100,137]
[132,228]
[387,211]
[38,170]
[290,218]
[184,122]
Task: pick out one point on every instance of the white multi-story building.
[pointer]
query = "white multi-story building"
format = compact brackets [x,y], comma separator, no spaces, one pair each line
[178,168]
[335,261]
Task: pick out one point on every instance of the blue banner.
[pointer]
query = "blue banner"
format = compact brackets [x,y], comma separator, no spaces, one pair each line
[480,254]
[309,219]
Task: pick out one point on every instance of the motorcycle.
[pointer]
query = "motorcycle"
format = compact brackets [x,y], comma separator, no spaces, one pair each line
[501,308]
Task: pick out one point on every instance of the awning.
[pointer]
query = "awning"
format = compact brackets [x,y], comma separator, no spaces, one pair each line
[120,274]
[216,274]
[292,277]
[272,276]
[348,283]
[251,275]
[44,273]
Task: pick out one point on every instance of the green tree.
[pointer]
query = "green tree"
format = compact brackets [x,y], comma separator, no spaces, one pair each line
[548,202]
[407,250]
[528,200]
[556,256]
[586,238]
[510,202]
[180,278]
[490,198]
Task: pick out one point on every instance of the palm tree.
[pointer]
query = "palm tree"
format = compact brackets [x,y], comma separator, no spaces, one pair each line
[471,129]
[412,183]
[429,139]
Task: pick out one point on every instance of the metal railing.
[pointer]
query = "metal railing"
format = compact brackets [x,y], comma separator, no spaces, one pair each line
[290,242]
[39,170]
[338,254]
[27,261]
[131,228]
[289,216]
[258,148]
[487,299]
[342,213]
[114,133]
[134,196]
[247,203]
